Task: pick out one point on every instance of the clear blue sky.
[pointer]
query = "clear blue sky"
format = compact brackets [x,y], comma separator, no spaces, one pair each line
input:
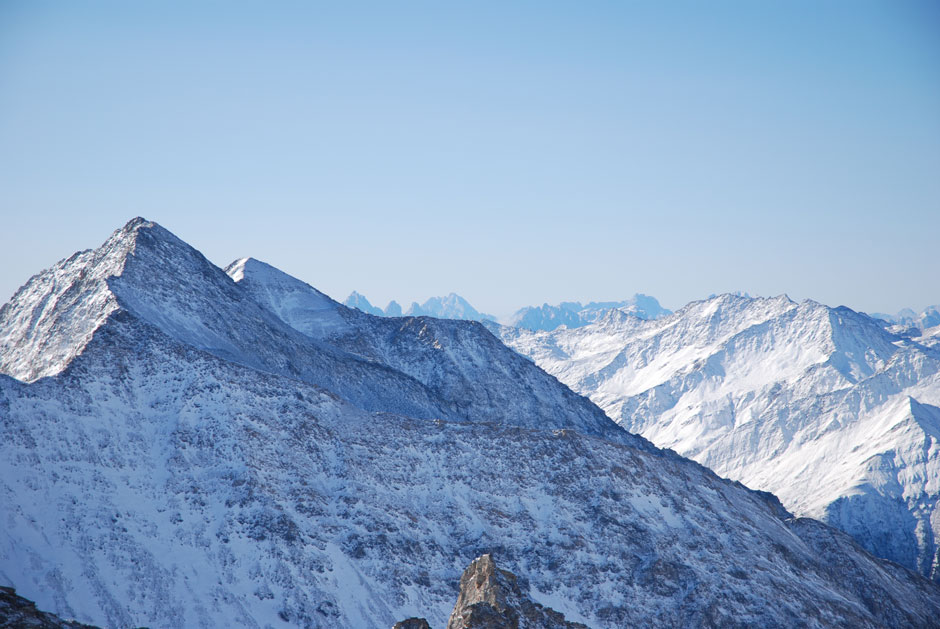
[515,152]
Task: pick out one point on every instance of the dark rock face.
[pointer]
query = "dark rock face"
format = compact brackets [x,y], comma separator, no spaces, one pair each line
[491,598]
[412,623]
[17,612]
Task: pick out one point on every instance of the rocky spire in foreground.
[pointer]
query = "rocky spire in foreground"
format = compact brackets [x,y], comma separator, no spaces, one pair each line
[491,598]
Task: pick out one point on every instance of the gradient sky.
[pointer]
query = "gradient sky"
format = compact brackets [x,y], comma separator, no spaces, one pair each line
[515,153]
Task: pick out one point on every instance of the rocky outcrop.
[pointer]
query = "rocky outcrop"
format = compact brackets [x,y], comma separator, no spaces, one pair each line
[17,612]
[491,598]
[412,623]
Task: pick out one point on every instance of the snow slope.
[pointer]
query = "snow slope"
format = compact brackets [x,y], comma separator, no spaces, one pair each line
[174,472]
[466,370]
[822,406]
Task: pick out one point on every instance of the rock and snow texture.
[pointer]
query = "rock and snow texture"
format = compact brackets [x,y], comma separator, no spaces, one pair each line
[464,371]
[51,319]
[573,314]
[822,406]
[195,460]
[17,612]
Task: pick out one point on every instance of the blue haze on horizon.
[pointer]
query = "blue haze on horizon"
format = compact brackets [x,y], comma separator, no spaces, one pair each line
[515,153]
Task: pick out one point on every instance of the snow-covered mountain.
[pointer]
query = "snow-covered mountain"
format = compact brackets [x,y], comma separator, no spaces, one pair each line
[822,406]
[463,370]
[189,448]
[573,314]
[453,306]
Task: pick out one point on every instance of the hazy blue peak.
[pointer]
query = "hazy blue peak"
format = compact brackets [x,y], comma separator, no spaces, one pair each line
[929,317]
[415,310]
[451,306]
[573,314]
[546,317]
[358,301]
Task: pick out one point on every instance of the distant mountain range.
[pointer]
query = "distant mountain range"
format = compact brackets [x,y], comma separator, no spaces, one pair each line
[929,317]
[453,306]
[572,314]
[187,446]
[923,326]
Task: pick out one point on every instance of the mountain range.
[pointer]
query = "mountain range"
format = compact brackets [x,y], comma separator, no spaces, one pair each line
[923,327]
[929,317]
[187,446]
[452,306]
[572,314]
[828,408]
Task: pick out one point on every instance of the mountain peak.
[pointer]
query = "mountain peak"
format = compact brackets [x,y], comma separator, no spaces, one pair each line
[142,268]
[53,316]
[131,228]
[359,302]
[140,230]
